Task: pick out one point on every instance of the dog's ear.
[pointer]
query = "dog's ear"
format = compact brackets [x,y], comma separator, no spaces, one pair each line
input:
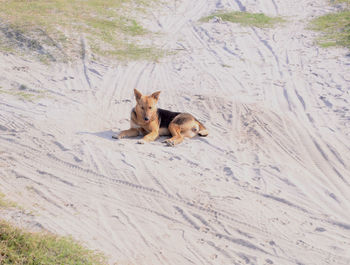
[138,94]
[155,95]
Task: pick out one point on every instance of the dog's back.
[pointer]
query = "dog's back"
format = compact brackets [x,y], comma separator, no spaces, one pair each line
[165,117]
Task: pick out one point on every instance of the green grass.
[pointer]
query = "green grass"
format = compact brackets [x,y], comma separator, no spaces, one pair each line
[19,247]
[57,25]
[246,19]
[335,28]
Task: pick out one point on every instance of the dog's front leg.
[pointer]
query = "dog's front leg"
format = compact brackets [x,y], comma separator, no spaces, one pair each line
[149,137]
[132,132]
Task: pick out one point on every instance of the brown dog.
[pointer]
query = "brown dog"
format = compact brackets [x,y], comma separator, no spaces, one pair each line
[148,120]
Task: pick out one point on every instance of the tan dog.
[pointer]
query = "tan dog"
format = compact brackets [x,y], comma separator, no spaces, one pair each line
[148,120]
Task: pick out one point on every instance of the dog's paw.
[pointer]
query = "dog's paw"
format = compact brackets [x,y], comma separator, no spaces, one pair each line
[116,136]
[169,142]
[141,141]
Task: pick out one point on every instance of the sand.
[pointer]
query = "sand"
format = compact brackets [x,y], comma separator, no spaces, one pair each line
[269,185]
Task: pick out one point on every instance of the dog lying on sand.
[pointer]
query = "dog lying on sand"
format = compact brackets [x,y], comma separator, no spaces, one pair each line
[150,121]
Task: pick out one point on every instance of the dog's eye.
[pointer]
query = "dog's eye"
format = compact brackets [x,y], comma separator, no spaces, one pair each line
[150,107]
[142,108]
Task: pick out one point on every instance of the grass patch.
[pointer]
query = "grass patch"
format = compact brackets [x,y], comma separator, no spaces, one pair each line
[347,2]
[246,19]
[28,96]
[5,203]
[133,52]
[54,28]
[20,247]
[24,93]
[335,28]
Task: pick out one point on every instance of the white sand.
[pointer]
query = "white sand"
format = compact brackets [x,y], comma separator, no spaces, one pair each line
[269,185]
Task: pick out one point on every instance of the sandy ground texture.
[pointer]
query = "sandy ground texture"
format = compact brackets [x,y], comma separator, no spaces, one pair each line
[269,185]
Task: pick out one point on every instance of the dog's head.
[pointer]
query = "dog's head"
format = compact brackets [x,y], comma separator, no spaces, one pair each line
[146,106]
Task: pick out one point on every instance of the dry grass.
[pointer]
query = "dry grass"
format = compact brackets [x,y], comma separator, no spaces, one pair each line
[56,26]
[6,203]
[23,93]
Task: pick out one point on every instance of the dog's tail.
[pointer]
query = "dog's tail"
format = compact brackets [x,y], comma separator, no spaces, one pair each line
[202,130]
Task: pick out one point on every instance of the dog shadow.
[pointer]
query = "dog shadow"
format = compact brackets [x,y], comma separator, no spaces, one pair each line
[108,135]
[104,134]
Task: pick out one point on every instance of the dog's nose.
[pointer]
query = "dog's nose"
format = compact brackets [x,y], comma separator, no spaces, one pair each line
[146,119]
